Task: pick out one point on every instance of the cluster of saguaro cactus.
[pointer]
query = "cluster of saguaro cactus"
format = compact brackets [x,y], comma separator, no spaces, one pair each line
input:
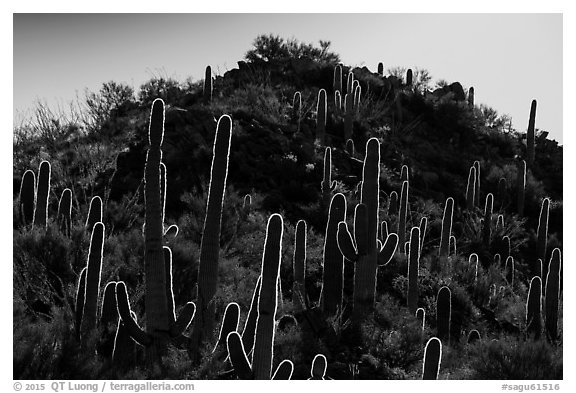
[365,250]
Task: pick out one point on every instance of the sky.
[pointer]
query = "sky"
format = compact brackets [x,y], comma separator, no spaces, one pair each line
[510,59]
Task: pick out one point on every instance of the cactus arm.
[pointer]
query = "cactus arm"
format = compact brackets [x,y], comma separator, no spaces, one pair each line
[345,242]
[135,331]
[184,319]
[229,323]
[238,356]
[284,370]
[387,251]
[250,325]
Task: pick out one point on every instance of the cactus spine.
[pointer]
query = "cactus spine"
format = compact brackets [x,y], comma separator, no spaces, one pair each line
[413,268]
[471,188]
[64,215]
[27,198]
[299,265]
[210,244]
[403,214]
[321,117]
[444,313]
[94,213]
[42,193]
[432,359]
[534,308]
[208,84]
[530,138]
[552,296]
[333,272]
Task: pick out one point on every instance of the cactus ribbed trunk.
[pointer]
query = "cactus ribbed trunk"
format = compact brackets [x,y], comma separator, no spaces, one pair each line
[64,215]
[157,316]
[92,286]
[471,188]
[403,215]
[42,192]
[333,272]
[367,265]
[267,299]
[299,266]
[27,197]
[444,313]
[210,245]
[552,297]
[534,308]
[413,268]
[543,233]
[208,84]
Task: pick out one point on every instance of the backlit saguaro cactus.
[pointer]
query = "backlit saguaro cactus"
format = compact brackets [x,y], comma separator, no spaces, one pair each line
[92,285]
[409,77]
[393,203]
[350,84]
[321,117]
[444,313]
[534,308]
[487,223]
[473,336]
[262,355]
[432,359]
[477,191]
[473,261]
[552,295]
[403,214]
[318,369]
[299,266]
[543,231]
[42,193]
[163,184]
[337,83]
[297,109]
[210,244]
[404,173]
[80,295]
[229,324]
[349,115]
[413,269]
[421,316]
[365,249]
[445,234]
[327,184]
[357,94]
[64,215]
[333,260]
[502,193]
[509,270]
[94,212]
[380,69]
[423,225]
[471,188]
[521,185]
[337,102]
[530,135]
[208,84]
[27,197]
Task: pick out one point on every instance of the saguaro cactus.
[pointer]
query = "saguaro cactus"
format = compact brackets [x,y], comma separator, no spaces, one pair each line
[337,83]
[318,369]
[42,193]
[350,84]
[552,296]
[208,84]
[321,117]
[543,231]
[94,212]
[530,138]
[250,325]
[471,188]
[229,325]
[403,214]
[473,336]
[486,226]
[27,197]
[210,244]
[432,359]
[64,215]
[534,308]
[423,225]
[333,272]
[502,193]
[80,296]
[413,268]
[327,184]
[380,69]
[92,285]
[365,249]
[409,77]
[445,234]
[349,115]
[444,313]
[393,203]
[299,266]
[297,109]
[521,185]
[357,94]
[477,191]
[509,270]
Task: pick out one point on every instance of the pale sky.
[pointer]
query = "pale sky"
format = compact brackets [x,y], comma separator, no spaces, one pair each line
[510,59]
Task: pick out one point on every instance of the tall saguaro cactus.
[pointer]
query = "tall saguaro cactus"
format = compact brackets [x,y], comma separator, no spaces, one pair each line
[366,250]
[543,231]
[381,69]
[297,109]
[348,115]
[402,215]
[327,184]
[42,193]
[333,272]
[413,268]
[471,188]
[210,244]
[432,359]
[94,212]
[299,266]
[486,226]
[208,84]
[92,284]
[552,296]
[477,185]
[444,313]
[337,83]
[445,234]
[471,97]
[530,138]
[27,198]
[321,109]
[534,308]
[64,215]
